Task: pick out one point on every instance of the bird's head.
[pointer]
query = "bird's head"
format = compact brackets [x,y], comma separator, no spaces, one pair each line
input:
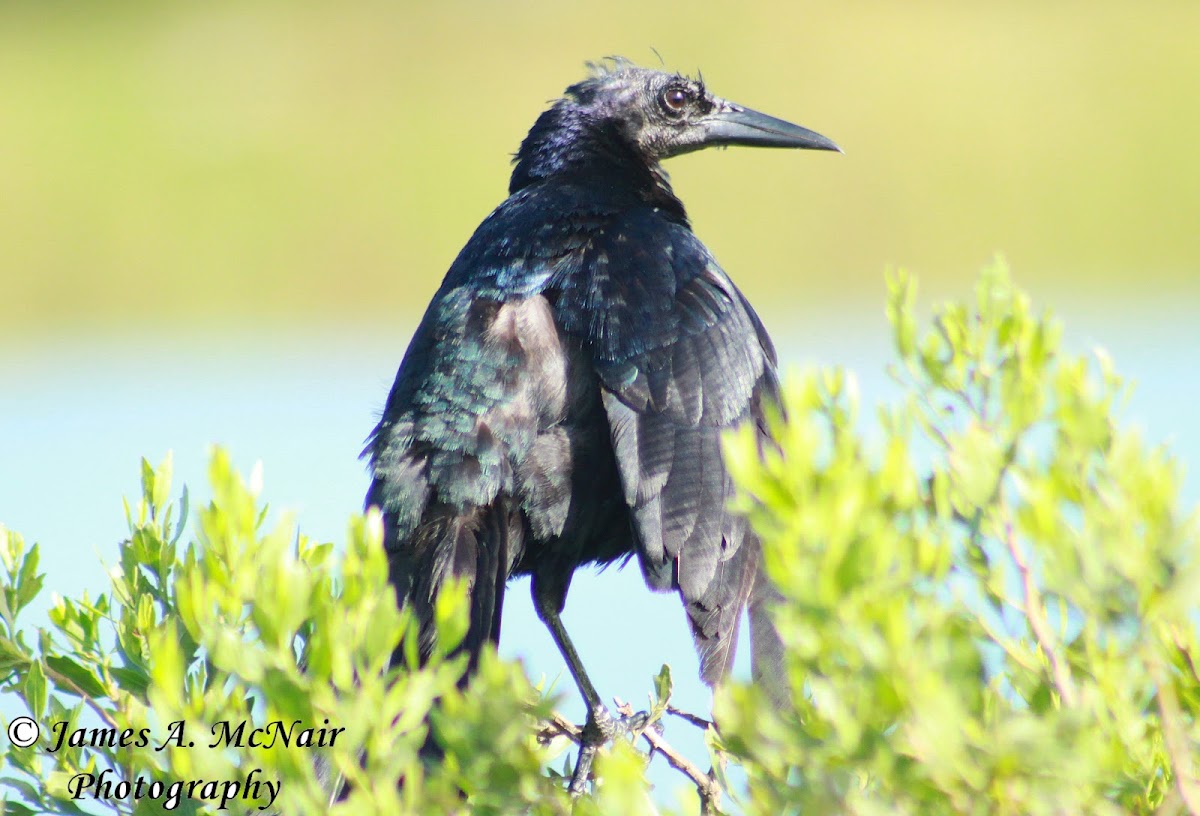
[664,114]
[623,120]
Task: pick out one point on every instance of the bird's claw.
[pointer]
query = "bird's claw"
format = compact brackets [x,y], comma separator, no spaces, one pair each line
[634,724]
[600,729]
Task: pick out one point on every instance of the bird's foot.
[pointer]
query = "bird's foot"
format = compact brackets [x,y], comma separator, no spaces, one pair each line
[600,729]
[634,723]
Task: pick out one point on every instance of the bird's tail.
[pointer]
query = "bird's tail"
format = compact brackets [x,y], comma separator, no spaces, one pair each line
[716,615]
[715,619]
[474,546]
[491,569]
[766,648]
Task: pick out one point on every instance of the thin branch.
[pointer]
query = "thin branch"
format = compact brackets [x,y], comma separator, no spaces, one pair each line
[1177,639]
[706,785]
[1035,612]
[69,684]
[699,722]
[1000,639]
[556,726]
[1175,740]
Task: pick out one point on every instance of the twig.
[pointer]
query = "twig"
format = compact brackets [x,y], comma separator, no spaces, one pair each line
[699,722]
[69,684]
[999,638]
[706,785]
[1035,612]
[1175,740]
[708,788]
[1177,639]
[558,725]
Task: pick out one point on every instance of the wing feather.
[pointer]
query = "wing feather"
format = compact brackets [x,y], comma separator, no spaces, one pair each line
[466,458]
[681,357]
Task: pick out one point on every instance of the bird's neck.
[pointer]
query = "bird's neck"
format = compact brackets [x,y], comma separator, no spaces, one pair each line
[564,144]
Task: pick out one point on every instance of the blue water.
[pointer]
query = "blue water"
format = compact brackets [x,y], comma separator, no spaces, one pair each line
[76,415]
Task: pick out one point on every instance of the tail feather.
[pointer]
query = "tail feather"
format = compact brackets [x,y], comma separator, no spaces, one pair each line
[766,647]
[715,616]
[478,545]
[715,619]
[491,570]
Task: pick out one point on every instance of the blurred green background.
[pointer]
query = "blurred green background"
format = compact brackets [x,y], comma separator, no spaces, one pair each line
[220,222]
[291,162]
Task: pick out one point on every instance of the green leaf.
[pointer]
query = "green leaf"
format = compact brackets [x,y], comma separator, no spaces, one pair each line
[663,685]
[11,654]
[11,548]
[84,679]
[29,583]
[147,480]
[35,690]
[976,460]
[167,671]
[58,786]
[6,608]
[902,295]
[181,524]
[132,679]
[10,808]
[160,493]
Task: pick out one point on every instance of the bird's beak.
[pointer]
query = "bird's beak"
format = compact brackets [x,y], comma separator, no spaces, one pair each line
[731,124]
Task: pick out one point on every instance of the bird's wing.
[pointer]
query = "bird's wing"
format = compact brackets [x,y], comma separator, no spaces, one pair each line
[484,375]
[681,357]
[475,384]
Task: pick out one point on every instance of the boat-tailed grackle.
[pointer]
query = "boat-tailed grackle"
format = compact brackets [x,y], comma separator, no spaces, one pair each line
[563,399]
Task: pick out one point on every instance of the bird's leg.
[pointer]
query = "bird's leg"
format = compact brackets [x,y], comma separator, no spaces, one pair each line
[601,726]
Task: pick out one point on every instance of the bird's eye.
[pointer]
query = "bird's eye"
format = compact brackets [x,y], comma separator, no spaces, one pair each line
[675,99]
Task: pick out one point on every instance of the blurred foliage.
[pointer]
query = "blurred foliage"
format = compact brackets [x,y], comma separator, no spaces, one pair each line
[247,627]
[989,603]
[267,161]
[1009,629]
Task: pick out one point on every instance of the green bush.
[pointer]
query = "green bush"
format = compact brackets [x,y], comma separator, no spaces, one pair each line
[989,602]
[1009,628]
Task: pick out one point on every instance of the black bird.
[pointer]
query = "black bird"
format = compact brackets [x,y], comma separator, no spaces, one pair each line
[562,401]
